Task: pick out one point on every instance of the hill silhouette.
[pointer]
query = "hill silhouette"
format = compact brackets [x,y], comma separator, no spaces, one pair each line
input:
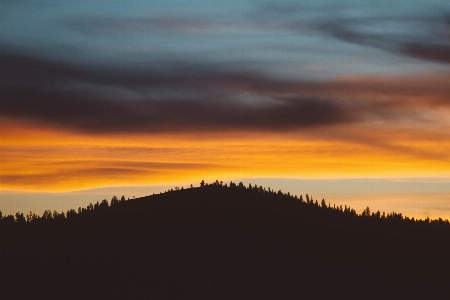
[223,242]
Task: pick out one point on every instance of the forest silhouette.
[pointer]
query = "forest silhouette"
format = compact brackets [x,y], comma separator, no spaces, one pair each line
[223,241]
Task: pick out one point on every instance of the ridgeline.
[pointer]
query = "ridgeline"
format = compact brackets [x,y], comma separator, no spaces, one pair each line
[223,242]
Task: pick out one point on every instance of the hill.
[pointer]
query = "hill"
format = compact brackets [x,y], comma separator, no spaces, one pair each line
[223,242]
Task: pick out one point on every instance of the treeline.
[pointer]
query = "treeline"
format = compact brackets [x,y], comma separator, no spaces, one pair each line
[31,217]
[223,241]
[20,218]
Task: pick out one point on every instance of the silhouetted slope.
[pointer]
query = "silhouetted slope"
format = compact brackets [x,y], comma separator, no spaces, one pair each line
[218,242]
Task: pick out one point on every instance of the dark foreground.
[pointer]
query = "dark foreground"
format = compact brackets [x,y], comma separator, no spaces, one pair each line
[224,243]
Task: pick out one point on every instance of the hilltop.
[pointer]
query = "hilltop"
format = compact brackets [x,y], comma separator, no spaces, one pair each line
[223,242]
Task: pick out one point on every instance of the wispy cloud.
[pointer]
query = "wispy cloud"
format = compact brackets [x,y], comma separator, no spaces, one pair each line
[73,174]
[428,43]
[214,97]
[421,34]
[82,98]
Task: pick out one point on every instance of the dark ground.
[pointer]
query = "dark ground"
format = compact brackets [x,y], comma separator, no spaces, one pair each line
[224,243]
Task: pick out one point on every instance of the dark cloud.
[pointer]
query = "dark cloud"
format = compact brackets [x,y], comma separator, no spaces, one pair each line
[184,96]
[22,70]
[77,111]
[82,97]
[433,52]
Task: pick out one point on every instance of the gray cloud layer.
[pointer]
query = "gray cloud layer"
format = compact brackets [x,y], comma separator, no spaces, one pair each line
[105,85]
[181,96]
[82,98]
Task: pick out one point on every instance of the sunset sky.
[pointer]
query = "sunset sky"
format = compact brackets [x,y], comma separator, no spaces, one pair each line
[345,100]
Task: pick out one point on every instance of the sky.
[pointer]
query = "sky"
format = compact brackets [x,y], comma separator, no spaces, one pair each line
[349,100]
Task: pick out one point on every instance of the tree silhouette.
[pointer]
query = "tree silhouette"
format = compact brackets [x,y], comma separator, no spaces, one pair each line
[20,219]
[114,200]
[366,212]
[47,215]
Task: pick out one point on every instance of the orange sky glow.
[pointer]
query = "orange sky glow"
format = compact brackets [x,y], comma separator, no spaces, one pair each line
[43,159]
